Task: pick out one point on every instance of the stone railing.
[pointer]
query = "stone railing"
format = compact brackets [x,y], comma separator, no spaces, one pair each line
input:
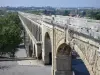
[87,27]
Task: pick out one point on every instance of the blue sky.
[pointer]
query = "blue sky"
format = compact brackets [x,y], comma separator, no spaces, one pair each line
[53,3]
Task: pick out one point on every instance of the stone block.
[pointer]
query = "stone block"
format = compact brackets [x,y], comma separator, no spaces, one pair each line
[63,73]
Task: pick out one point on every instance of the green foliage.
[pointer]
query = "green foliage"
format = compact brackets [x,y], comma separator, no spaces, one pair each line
[10,32]
[66,13]
[98,16]
[2,12]
[91,13]
[37,12]
[95,15]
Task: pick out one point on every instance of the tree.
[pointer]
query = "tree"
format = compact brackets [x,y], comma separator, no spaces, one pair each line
[10,32]
[66,13]
[94,14]
[2,12]
[97,17]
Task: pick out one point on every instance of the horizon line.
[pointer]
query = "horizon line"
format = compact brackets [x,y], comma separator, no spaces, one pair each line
[53,6]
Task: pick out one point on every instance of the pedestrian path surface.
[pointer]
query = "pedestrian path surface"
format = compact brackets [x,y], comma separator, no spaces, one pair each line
[30,62]
[21,51]
[23,68]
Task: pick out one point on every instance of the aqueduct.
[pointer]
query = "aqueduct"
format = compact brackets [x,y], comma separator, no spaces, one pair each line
[52,38]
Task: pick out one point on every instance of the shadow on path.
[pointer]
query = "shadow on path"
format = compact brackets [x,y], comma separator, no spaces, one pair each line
[79,67]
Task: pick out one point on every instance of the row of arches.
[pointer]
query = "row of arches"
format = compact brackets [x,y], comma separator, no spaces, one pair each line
[63,54]
[32,50]
[47,49]
[62,50]
[37,32]
[62,59]
[34,29]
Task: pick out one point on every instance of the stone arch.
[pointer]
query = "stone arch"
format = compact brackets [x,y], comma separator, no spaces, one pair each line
[31,49]
[64,50]
[34,51]
[40,34]
[63,60]
[34,29]
[36,36]
[47,49]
